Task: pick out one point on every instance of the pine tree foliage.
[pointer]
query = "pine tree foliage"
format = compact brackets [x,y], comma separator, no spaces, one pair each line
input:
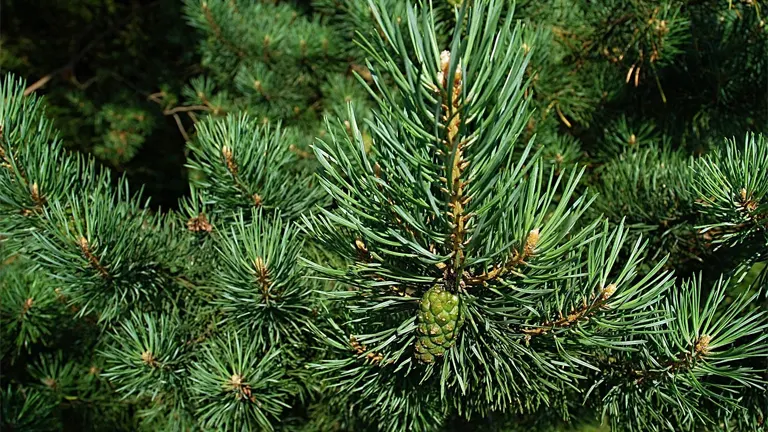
[248,44]
[273,313]
[29,411]
[255,390]
[234,162]
[107,255]
[647,185]
[691,369]
[617,78]
[512,217]
[271,60]
[732,191]
[733,188]
[652,191]
[131,274]
[546,300]
[30,310]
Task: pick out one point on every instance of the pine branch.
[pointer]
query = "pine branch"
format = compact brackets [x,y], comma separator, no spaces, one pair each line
[587,309]
[214,26]
[85,248]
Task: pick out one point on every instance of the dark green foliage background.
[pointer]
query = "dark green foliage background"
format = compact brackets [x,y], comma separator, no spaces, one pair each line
[105,58]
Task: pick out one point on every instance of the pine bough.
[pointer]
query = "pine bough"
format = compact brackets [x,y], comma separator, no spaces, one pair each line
[446,272]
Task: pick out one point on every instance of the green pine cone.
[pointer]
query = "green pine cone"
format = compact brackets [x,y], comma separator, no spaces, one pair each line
[440,319]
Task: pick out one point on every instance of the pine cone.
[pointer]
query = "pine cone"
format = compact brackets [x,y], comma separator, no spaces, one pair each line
[440,319]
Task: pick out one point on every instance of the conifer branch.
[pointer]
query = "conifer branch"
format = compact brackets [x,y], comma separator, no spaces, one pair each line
[232,167]
[439,187]
[262,275]
[517,258]
[86,250]
[582,313]
[456,164]
[94,42]
[217,31]
[684,362]
[187,108]
[34,190]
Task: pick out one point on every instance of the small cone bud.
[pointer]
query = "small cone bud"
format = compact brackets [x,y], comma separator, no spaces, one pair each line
[609,291]
[439,321]
[702,344]
[531,241]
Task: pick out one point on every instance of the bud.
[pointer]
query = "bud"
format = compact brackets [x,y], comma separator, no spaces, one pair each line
[531,241]
[236,380]
[148,358]
[702,344]
[226,151]
[445,63]
[608,291]
[27,306]
[260,267]
[199,223]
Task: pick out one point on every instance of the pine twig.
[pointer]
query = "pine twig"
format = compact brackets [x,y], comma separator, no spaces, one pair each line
[574,316]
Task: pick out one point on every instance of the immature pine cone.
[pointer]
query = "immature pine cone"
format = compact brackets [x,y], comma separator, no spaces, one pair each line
[440,319]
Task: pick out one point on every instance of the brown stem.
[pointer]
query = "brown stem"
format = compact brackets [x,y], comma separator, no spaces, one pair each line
[456,164]
[586,310]
[684,360]
[180,125]
[262,273]
[185,109]
[517,258]
[232,167]
[86,249]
